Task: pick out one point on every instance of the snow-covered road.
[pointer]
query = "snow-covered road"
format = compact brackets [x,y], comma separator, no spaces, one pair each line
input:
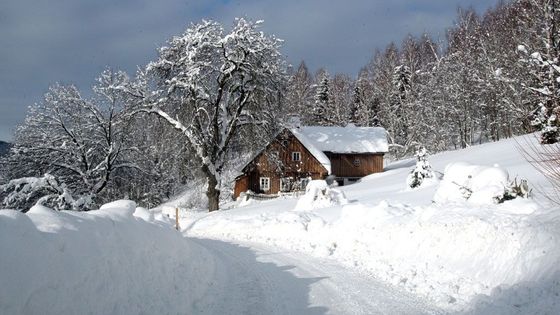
[254,279]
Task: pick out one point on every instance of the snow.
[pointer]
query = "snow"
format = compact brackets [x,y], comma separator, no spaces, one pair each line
[477,184]
[106,261]
[464,256]
[349,139]
[319,195]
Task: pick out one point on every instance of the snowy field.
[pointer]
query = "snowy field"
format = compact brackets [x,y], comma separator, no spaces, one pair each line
[373,247]
[464,256]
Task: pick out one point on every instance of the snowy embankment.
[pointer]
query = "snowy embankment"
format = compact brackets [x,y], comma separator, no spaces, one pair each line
[463,255]
[117,260]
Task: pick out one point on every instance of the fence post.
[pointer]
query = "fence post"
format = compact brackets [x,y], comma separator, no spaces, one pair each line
[177,218]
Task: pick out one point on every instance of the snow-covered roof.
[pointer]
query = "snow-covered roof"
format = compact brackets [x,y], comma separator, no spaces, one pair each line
[315,151]
[349,139]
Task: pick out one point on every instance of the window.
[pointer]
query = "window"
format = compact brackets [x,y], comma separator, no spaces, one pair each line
[357,162]
[286,184]
[296,156]
[264,183]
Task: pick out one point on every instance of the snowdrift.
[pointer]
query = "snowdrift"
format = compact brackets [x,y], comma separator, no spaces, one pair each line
[116,260]
[482,185]
[319,195]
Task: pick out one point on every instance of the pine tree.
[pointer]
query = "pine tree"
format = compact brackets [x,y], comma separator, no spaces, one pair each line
[374,113]
[422,171]
[360,112]
[357,103]
[322,102]
[402,87]
[402,81]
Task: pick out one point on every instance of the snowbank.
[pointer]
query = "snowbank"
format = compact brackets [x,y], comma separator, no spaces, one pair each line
[116,260]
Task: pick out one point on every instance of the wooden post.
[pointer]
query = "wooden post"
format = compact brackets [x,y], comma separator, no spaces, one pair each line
[177,218]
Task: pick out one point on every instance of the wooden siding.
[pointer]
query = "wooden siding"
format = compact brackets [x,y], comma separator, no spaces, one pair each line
[241,185]
[355,165]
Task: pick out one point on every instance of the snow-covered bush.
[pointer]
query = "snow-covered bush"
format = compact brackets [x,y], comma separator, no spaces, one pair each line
[23,193]
[514,190]
[478,184]
[422,171]
[319,195]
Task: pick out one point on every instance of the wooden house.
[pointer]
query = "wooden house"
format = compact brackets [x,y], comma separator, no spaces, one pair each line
[298,155]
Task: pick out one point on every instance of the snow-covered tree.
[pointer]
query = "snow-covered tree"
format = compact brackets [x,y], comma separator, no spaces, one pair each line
[322,106]
[299,93]
[209,84]
[23,193]
[545,61]
[340,99]
[402,81]
[422,171]
[356,105]
[77,140]
[362,109]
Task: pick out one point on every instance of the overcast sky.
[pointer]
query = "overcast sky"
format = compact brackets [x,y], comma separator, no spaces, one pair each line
[72,41]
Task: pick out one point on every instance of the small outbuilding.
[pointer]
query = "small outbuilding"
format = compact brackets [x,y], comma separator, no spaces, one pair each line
[298,155]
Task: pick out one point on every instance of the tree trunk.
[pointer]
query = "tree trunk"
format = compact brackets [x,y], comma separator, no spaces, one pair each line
[213,193]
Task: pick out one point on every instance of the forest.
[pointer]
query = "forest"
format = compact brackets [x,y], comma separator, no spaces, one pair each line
[215,96]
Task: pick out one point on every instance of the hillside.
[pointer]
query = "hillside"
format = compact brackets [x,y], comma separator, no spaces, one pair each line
[463,256]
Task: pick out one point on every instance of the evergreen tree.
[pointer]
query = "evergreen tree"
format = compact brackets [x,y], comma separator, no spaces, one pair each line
[422,171]
[322,102]
[402,87]
[357,102]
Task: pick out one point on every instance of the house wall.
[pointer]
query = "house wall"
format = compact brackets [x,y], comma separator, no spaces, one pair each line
[355,165]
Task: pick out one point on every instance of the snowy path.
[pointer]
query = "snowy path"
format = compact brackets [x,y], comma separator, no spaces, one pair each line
[261,280]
